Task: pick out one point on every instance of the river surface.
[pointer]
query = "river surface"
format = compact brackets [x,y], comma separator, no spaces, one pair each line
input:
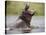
[37,22]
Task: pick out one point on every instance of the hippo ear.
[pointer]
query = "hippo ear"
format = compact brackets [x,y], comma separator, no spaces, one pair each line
[26,7]
[32,11]
[33,14]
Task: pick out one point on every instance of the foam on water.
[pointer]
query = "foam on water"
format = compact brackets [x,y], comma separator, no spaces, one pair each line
[37,24]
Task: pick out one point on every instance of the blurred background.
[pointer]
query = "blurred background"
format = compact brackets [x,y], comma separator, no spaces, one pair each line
[16,7]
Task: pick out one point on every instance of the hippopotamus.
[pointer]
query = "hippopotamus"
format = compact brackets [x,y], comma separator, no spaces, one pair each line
[26,17]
